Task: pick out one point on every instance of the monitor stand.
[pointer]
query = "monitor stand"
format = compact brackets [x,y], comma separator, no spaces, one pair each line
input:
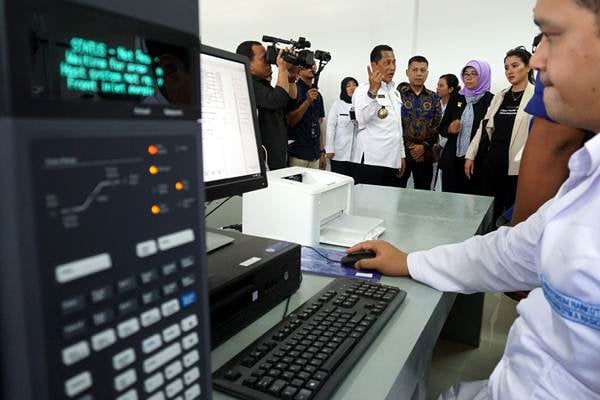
[215,241]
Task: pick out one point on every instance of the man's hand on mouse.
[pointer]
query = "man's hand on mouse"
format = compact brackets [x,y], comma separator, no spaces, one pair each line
[388,260]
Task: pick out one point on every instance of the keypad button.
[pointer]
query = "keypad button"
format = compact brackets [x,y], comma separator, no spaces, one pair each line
[148,276]
[171,333]
[150,297]
[125,380]
[187,262]
[78,384]
[174,369]
[187,299]
[161,358]
[193,392]
[74,304]
[74,329]
[146,249]
[169,289]
[157,396]
[191,376]
[189,322]
[127,307]
[191,358]
[190,341]
[152,343]
[103,317]
[101,294]
[128,328]
[154,382]
[174,387]
[169,269]
[129,395]
[169,308]
[188,280]
[103,339]
[127,284]
[75,353]
[123,359]
[150,317]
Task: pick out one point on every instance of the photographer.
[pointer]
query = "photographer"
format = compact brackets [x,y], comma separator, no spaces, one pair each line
[305,124]
[272,103]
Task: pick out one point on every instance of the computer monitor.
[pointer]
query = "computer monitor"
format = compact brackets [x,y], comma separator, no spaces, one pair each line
[230,133]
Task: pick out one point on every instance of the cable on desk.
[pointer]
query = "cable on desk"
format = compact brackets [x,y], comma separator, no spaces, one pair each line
[217,207]
[287,305]
[323,255]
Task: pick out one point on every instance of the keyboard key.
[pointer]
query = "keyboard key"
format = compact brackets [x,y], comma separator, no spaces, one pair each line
[188,280]
[75,353]
[190,341]
[73,304]
[232,375]
[78,384]
[104,339]
[189,323]
[154,382]
[101,294]
[128,328]
[148,276]
[123,359]
[161,358]
[129,395]
[277,387]
[288,392]
[74,329]
[303,394]
[174,388]
[152,343]
[171,333]
[169,289]
[127,284]
[169,308]
[150,317]
[157,396]
[103,317]
[150,297]
[172,370]
[187,299]
[169,269]
[125,380]
[127,307]
[191,358]
[187,262]
[193,392]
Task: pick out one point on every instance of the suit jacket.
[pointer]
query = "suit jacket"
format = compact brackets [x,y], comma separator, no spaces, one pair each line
[454,110]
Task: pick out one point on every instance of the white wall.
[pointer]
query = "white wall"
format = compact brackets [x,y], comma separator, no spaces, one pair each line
[448,33]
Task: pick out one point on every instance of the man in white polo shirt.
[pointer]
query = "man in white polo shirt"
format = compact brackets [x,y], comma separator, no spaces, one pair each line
[378,150]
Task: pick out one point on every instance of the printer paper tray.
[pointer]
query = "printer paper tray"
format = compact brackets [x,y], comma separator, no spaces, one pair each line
[347,230]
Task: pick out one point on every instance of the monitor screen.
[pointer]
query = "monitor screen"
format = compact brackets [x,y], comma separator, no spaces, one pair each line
[230,136]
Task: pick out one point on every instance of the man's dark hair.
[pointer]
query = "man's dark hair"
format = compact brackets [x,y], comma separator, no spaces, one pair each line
[245,48]
[418,59]
[377,52]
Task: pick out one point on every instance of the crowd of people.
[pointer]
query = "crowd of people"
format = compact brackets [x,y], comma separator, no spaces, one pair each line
[384,134]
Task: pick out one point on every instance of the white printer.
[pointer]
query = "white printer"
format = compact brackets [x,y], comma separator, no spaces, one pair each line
[307,206]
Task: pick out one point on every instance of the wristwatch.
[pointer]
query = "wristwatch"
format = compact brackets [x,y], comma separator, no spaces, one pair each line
[371,95]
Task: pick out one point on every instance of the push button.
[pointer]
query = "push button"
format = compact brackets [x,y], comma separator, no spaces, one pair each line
[72,305]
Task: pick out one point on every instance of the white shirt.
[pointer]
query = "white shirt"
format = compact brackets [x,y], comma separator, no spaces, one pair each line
[340,131]
[442,140]
[379,140]
[553,349]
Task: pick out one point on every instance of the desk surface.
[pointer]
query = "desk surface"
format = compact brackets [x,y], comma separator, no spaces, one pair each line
[397,360]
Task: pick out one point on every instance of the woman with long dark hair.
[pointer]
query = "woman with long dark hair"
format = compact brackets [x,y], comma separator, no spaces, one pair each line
[341,127]
[462,117]
[495,151]
[447,87]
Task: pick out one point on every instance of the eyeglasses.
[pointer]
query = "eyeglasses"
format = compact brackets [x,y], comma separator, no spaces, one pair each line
[472,74]
[536,42]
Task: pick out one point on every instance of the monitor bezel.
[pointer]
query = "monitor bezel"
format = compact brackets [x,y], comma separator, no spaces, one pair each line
[236,186]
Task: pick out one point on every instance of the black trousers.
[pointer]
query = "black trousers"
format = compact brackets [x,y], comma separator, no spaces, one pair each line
[454,179]
[503,189]
[375,175]
[341,167]
[422,173]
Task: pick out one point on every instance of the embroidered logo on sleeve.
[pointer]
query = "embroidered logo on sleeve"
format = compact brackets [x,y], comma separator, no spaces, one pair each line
[572,308]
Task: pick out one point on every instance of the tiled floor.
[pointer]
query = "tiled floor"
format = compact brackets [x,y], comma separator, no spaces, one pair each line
[454,362]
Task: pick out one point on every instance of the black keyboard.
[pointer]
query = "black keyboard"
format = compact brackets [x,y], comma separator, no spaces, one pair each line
[310,351]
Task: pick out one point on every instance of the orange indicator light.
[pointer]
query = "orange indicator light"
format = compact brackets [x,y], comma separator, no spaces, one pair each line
[152,150]
[153,169]
[178,186]
[155,209]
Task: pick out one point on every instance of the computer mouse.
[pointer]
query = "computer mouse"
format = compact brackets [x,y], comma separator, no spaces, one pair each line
[349,260]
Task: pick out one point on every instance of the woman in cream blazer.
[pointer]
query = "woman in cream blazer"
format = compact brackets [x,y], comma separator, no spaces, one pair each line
[494,155]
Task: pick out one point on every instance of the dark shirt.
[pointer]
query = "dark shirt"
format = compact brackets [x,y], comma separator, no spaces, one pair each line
[272,104]
[307,133]
[421,116]
[504,121]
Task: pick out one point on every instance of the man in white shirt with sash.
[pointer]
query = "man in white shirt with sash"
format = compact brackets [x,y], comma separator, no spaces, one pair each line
[553,349]
[378,150]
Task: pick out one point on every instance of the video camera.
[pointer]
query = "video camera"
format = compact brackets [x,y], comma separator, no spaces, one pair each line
[299,54]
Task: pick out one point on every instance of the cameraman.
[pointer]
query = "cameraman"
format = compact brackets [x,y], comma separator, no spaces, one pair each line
[272,103]
[304,122]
